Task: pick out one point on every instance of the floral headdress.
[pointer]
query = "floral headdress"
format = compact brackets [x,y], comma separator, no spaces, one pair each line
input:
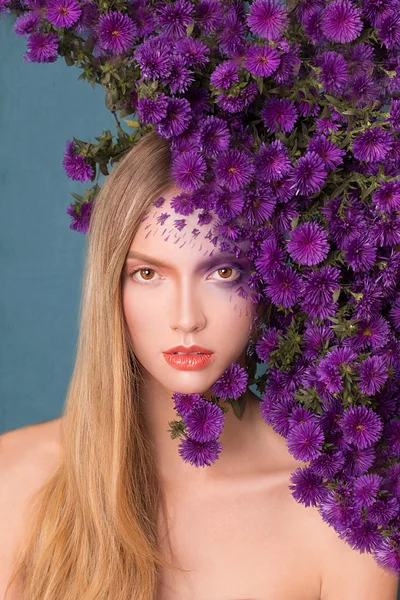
[284,121]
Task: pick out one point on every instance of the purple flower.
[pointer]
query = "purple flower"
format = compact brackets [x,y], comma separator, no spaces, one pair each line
[209,15]
[283,287]
[305,440]
[188,170]
[392,436]
[326,126]
[308,244]
[231,35]
[26,23]
[330,154]
[279,112]
[173,18]
[395,314]
[309,174]
[4,7]
[182,204]
[373,333]
[116,32]
[312,25]
[199,454]
[272,162]
[328,371]
[327,465]
[232,383]
[177,120]
[286,72]
[334,73]
[315,337]
[42,48]
[271,257]
[194,52]
[80,214]
[267,18]
[375,10]
[179,77]
[184,403]
[361,426]
[372,145]
[143,16]
[383,511]
[75,165]
[262,60]
[236,103]
[387,196]
[318,288]
[215,136]
[229,204]
[234,169]
[341,21]
[260,204]
[276,412]
[337,509]
[307,487]
[267,343]
[152,110]
[366,488]
[395,114]
[225,75]
[204,422]
[360,252]
[373,374]
[389,29]
[363,89]
[363,536]
[153,57]
[63,13]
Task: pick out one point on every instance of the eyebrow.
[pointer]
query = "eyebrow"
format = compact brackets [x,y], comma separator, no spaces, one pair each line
[210,260]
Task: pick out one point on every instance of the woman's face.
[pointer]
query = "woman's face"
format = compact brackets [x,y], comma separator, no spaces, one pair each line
[179,289]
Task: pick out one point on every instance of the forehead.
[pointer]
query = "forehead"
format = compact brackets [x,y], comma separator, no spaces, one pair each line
[166,234]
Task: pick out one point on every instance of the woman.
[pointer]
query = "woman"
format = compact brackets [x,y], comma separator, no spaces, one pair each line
[121,515]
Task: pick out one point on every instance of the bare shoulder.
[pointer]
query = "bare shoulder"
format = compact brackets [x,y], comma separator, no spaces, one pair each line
[28,457]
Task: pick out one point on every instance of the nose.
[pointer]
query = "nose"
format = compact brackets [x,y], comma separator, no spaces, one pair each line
[187,310]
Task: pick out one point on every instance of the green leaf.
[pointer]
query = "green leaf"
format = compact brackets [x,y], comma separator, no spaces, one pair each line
[77,196]
[133,124]
[336,294]
[238,406]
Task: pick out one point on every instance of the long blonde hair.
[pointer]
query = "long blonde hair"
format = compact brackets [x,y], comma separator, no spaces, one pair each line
[93,531]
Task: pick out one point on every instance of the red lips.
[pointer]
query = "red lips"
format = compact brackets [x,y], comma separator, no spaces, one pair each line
[188,350]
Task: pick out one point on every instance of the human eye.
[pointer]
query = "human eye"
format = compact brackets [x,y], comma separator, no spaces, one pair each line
[146,272]
[229,273]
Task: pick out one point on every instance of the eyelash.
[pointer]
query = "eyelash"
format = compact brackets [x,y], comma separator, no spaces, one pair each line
[223,281]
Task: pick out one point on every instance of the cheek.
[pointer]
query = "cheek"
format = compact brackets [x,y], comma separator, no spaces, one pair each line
[141,317]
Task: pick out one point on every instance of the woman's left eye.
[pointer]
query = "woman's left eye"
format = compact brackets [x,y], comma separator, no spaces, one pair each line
[226,273]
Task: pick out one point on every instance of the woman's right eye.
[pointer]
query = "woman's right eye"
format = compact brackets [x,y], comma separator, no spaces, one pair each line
[145,274]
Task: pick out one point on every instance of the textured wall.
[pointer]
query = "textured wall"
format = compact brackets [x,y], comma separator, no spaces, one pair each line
[41,259]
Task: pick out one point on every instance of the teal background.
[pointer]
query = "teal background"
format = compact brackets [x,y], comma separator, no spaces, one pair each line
[41,258]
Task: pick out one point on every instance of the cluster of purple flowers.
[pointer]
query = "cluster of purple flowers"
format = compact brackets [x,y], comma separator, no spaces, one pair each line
[204,420]
[292,137]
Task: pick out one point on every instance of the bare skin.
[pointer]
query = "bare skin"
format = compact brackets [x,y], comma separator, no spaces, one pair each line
[242,536]
[238,530]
